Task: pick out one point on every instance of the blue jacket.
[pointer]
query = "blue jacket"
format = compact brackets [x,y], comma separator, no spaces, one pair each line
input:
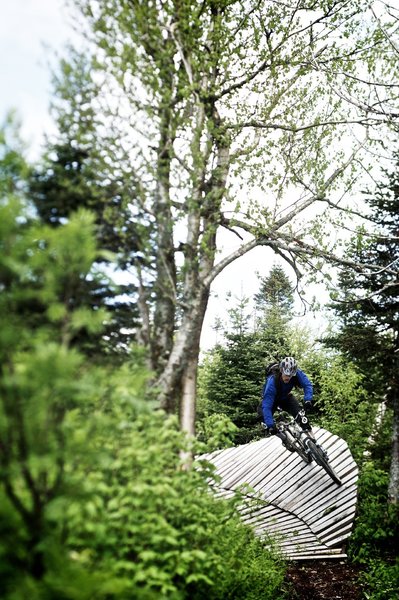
[270,393]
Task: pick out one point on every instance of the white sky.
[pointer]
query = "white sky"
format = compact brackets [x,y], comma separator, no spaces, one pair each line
[26,26]
[31,31]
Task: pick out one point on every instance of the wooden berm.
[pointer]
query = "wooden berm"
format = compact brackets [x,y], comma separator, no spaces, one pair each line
[301,508]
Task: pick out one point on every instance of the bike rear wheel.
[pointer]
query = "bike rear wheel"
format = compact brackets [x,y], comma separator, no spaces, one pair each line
[322,461]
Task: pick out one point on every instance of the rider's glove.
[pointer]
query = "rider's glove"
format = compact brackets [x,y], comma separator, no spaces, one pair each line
[271,430]
[308,407]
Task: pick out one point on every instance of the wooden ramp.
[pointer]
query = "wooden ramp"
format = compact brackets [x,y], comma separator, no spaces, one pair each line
[301,508]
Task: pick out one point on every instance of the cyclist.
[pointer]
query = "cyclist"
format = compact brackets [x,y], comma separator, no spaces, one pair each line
[277,393]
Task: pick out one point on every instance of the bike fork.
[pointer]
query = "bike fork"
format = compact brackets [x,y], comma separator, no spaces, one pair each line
[308,438]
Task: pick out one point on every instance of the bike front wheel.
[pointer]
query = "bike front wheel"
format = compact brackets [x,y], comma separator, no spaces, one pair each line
[322,461]
[301,450]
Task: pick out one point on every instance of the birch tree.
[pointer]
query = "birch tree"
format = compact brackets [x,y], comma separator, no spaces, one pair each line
[246,117]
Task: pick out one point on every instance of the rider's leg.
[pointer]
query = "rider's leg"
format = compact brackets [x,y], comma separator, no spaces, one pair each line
[284,440]
[283,437]
[293,407]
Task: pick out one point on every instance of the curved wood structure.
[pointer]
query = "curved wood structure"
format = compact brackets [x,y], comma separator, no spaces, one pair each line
[301,508]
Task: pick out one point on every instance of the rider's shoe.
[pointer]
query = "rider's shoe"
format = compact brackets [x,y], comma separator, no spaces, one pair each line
[284,440]
[287,447]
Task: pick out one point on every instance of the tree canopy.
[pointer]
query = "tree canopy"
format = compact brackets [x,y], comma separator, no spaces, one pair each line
[368,307]
[233,115]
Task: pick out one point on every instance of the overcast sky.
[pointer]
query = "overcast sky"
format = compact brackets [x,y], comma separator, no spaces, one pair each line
[31,31]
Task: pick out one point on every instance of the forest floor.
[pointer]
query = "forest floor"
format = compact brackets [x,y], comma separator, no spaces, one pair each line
[324,579]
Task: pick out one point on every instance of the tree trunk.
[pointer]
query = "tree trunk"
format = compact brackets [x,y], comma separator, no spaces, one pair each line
[393,487]
[187,405]
[177,382]
[189,378]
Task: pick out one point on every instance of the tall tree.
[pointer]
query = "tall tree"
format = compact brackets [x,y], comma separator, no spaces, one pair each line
[369,308]
[276,292]
[234,373]
[274,301]
[74,173]
[213,92]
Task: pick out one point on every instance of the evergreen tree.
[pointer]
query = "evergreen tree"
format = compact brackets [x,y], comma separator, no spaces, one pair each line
[368,307]
[233,382]
[276,293]
[78,170]
[274,303]
[235,371]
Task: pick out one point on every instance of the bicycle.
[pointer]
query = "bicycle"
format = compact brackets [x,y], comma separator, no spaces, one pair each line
[296,439]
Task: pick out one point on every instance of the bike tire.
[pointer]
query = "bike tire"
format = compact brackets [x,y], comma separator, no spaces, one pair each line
[321,460]
[301,450]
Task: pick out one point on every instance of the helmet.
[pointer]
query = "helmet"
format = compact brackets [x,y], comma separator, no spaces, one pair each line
[288,366]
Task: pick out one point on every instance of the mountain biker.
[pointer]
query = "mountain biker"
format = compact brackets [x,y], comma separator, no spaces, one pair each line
[277,393]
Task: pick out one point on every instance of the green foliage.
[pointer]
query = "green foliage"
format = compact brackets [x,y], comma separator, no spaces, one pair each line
[343,406]
[373,542]
[230,383]
[381,580]
[44,272]
[376,525]
[155,527]
[216,431]
[94,501]
[14,169]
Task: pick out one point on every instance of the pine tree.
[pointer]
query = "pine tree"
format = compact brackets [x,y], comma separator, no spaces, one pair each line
[276,293]
[368,307]
[76,172]
[236,371]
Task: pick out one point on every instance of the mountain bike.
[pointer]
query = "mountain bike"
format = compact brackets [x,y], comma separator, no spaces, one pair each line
[295,439]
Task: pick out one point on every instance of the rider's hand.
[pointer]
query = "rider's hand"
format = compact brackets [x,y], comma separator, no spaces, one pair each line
[308,407]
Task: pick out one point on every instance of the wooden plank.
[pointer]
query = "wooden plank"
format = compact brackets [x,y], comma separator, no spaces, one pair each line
[305,511]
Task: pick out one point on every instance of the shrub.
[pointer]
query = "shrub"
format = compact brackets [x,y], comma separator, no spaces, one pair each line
[376,525]
[94,502]
[381,580]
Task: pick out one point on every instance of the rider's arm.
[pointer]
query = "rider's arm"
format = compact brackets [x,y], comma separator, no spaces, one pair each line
[269,395]
[306,385]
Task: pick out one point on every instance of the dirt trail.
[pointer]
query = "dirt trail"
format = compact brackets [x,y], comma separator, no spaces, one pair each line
[324,580]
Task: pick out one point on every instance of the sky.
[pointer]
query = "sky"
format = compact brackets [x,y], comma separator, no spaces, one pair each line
[31,32]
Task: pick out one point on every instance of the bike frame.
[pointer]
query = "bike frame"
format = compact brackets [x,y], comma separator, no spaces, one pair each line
[298,440]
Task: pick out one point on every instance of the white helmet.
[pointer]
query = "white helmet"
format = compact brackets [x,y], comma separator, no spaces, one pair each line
[288,366]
